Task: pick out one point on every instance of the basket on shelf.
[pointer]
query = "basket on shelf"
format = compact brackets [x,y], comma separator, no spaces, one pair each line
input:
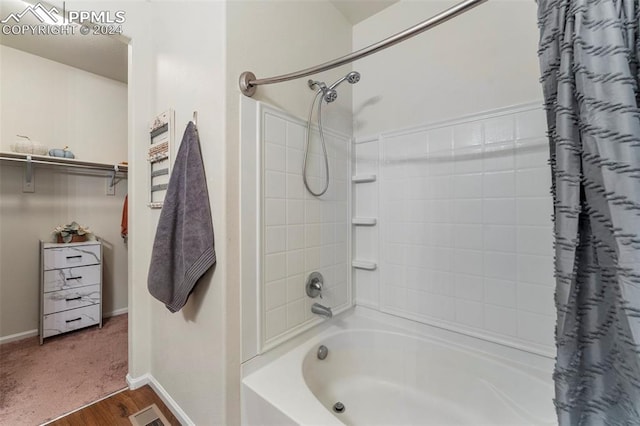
[72,233]
[26,146]
[74,239]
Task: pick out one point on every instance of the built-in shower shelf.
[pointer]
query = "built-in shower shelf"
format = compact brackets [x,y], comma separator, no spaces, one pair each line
[364,221]
[364,264]
[363,178]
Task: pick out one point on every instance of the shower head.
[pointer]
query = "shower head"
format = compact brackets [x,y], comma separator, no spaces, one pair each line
[353,77]
[328,93]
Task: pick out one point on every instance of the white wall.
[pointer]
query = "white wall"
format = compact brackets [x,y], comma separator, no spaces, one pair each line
[178,61]
[464,235]
[270,38]
[481,60]
[57,105]
[195,334]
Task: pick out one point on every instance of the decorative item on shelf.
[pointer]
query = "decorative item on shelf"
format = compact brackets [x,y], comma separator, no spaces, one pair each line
[27,146]
[61,153]
[72,233]
[161,138]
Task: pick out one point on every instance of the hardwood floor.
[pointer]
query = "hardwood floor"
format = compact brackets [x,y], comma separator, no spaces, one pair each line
[115,410]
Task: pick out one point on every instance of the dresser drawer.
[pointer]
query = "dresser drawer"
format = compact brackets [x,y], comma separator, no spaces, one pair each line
[64,300]
[71,256]
[74,319]
[64,279]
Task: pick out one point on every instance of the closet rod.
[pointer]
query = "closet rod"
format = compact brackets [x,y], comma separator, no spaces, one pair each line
[249,82]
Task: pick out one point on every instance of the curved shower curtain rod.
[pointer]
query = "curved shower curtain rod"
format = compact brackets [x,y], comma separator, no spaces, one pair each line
[249,82]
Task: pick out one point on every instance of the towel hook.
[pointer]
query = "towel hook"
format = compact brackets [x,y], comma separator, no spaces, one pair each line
[195,118]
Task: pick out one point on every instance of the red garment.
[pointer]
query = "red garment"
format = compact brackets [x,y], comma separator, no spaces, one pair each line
[124,231]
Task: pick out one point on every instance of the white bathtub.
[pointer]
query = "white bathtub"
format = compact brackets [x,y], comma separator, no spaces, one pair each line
[386,376]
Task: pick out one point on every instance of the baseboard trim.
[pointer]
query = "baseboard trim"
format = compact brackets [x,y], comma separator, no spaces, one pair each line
[18,336]
[137,382]
[116,313]
[148,379]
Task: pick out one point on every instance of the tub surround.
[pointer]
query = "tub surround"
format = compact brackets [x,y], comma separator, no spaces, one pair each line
[297,233]
[463,238]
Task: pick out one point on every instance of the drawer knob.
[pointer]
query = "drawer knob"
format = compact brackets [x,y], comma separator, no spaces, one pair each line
[74,257]
[73,278]
[72,320]
[73,298]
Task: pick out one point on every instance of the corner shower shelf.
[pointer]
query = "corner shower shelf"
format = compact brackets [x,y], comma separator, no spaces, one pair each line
[363,178]
[364,221]
[364,264]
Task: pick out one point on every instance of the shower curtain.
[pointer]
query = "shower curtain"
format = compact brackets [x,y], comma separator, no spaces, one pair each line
[589,51]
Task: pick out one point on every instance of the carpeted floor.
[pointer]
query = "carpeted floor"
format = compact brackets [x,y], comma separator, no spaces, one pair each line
[40,383]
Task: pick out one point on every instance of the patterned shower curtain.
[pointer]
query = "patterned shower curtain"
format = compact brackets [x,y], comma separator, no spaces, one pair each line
[589,51]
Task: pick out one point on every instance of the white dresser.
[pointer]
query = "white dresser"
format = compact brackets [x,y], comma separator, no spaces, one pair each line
[70,287]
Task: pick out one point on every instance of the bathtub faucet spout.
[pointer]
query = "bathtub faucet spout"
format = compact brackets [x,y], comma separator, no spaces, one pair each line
[317,308]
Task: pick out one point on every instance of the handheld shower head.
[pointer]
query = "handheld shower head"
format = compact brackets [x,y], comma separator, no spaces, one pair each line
[328,93]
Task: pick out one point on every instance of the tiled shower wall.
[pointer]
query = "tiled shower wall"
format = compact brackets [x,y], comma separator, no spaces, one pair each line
[301,233]
[464,226]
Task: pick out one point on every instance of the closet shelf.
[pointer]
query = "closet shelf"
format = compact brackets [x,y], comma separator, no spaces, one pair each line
[364,264]
[364,221]
[64,162]
[363,178]
[30,159]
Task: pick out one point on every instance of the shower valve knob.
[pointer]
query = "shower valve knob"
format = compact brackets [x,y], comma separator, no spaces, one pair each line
[314,285]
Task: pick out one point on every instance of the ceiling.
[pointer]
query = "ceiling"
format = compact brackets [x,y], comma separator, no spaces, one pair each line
[99,54]
[108,55]
[358,10]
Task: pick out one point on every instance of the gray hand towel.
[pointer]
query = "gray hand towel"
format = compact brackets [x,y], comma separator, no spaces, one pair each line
[183,249]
